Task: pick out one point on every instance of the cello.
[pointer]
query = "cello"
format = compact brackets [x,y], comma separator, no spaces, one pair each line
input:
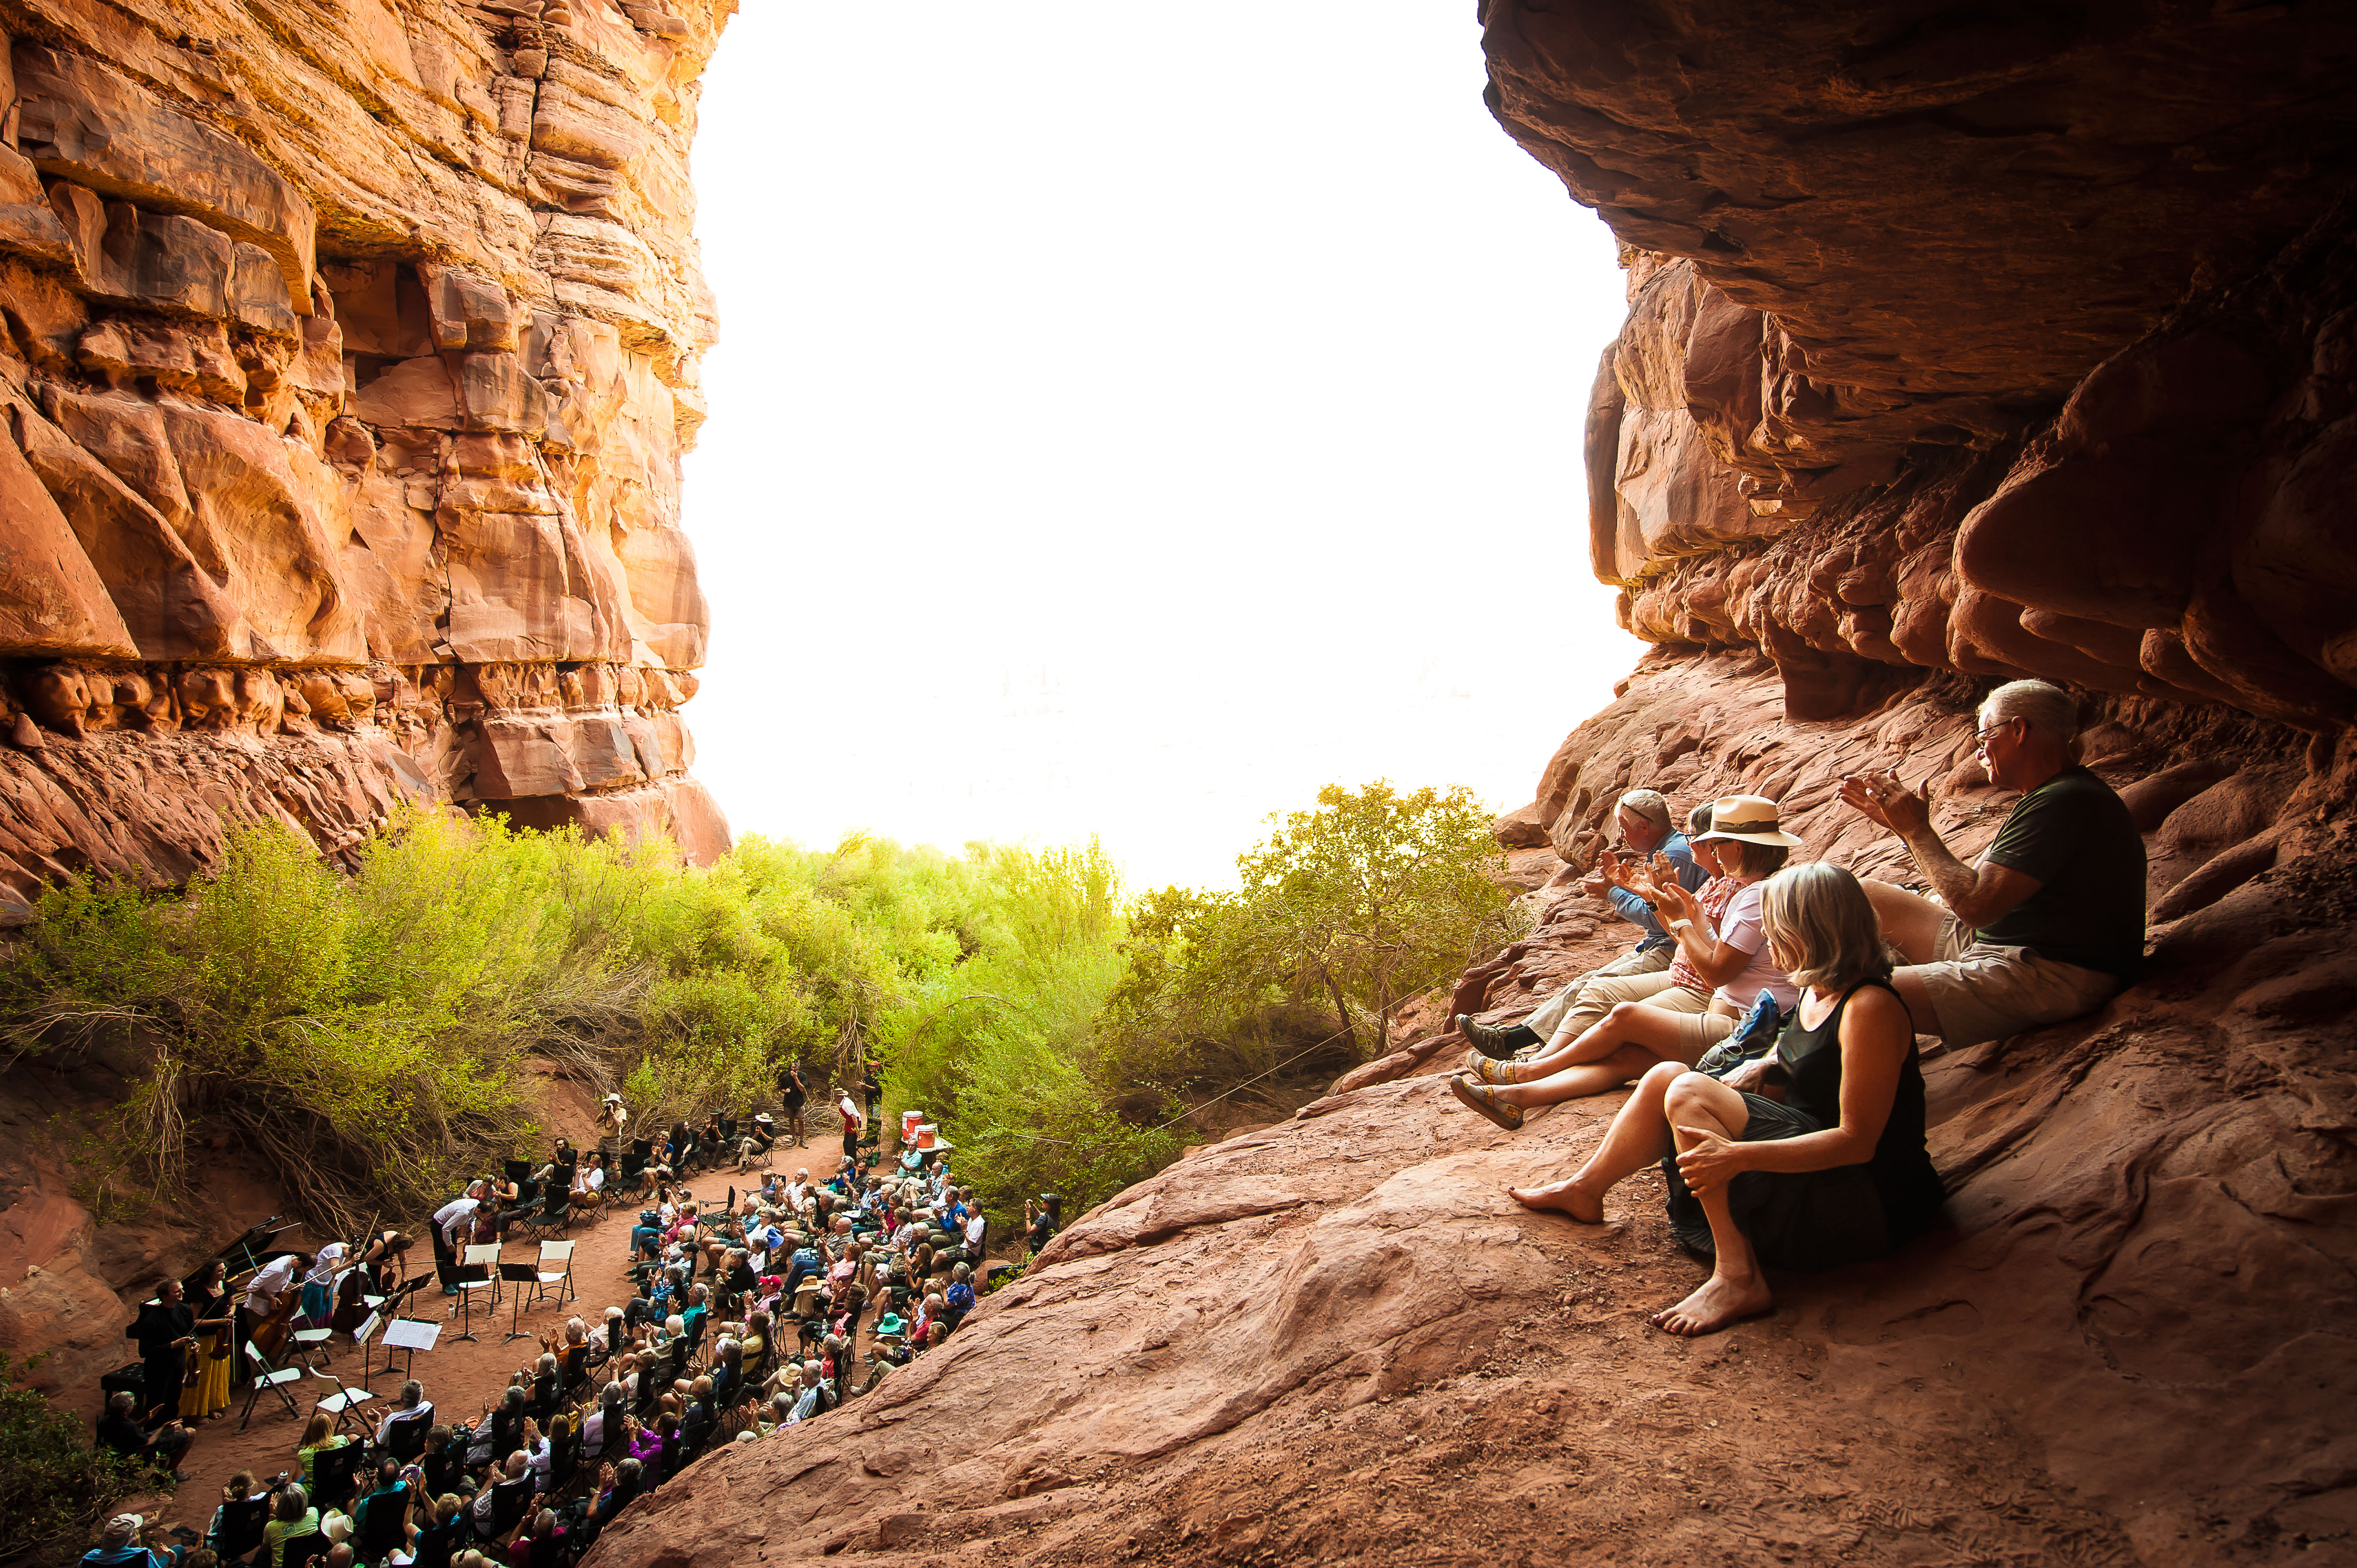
[270,1334]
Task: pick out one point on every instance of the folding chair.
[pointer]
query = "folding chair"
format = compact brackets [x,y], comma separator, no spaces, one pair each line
[509,1499]
[275,1379]
[478,1271]
[405,1436]
[307,1340]
[382,1516]
[304,1549]
[574,1369]
[552,1255]
[556,1212]
[332,1473]
[343,1402]
[237,1528]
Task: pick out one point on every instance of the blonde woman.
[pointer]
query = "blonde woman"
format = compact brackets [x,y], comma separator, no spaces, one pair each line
[1673,1016]
[1833,1172]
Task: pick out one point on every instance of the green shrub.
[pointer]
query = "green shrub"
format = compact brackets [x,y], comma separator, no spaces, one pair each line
[55,1488]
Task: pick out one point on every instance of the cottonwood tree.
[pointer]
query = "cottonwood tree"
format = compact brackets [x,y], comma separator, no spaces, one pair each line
[1362,903]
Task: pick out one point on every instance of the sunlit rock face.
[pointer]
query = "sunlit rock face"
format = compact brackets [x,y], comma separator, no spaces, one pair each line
[350,355]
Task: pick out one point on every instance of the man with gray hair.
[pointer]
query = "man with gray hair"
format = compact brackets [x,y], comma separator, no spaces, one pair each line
[1642,817]
[2049,922]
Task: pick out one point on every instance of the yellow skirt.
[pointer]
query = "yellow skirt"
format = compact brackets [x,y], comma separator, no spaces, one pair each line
[209,1395]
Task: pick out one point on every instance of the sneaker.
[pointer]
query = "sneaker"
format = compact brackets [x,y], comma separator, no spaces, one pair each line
[1497,1043]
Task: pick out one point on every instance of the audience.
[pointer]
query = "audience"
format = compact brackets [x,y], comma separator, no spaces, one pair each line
[1723,964]
[704,1352]
[1834,1172]
[1641,819]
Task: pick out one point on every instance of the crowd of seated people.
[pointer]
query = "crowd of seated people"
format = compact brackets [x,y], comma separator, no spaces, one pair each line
[743,1316]
[1795,1138]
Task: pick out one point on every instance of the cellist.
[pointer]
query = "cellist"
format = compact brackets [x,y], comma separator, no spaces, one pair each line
[268,1307]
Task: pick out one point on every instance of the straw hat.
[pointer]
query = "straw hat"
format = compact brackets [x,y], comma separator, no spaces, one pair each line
[1750,818]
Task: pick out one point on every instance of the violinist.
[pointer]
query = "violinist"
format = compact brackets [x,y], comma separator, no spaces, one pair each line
[384,1259]
[204,1391]
[166,1331]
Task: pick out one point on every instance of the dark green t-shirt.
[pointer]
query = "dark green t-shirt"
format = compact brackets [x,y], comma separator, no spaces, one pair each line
[2075,836]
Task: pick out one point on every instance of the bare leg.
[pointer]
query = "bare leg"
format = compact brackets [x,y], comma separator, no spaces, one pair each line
[1632,1036]
[1640,1134]
[1911,922]
[1736,1289]
[1588,1077]
[1603,1037]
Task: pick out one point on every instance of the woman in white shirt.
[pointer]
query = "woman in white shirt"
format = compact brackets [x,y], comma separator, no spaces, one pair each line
[1673,1015]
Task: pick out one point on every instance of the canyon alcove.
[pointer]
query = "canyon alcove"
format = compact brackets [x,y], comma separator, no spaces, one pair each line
[349,353]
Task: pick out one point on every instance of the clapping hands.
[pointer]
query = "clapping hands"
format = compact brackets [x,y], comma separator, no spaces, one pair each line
[1883,800]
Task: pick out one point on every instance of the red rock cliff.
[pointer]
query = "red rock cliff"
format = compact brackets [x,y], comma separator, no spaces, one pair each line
[349,354]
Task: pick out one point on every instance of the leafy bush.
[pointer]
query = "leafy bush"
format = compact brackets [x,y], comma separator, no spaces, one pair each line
[54,1486]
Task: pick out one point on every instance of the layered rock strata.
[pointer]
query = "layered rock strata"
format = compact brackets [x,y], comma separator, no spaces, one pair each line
[350,356]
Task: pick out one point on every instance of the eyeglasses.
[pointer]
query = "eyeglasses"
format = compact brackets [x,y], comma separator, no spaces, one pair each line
[1981,736]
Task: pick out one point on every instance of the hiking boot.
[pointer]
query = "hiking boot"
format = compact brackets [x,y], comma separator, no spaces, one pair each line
[1496,1043]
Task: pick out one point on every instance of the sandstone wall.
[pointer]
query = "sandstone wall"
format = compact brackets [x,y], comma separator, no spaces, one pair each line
[1993,343]
[349,354]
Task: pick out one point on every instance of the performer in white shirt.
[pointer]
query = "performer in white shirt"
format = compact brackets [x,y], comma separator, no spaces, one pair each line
[317,1298]
[449,1219]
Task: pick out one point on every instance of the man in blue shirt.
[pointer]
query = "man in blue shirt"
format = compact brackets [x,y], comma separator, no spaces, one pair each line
[1642,817]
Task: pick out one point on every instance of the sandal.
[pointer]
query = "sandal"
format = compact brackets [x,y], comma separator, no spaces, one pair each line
[1487,1070]
[1480,1097]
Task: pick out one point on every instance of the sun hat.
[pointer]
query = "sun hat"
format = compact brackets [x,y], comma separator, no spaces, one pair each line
[124,1525]
[889,1323]
[1750,818]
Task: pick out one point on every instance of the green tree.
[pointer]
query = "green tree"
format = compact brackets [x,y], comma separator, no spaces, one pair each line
[1359,905]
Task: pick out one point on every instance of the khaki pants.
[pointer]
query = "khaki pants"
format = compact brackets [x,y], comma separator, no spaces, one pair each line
[1983,992]
[1699,1026]
[1574,1005]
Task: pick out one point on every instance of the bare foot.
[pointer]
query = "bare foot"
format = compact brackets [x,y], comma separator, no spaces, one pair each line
[1563,1196]
[1717,1305]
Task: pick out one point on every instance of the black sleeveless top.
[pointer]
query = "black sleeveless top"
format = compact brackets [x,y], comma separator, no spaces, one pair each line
[1900,1166]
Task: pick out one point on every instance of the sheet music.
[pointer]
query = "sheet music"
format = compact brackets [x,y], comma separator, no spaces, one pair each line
[406,1334]
[375,1320]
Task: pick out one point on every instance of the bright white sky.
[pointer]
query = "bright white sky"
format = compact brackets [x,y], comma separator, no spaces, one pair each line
[1127,419]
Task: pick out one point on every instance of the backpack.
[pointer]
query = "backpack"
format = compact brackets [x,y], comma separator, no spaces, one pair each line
[1754,1036]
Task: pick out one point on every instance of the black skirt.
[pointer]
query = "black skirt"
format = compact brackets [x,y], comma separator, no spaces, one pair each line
[1795,1220]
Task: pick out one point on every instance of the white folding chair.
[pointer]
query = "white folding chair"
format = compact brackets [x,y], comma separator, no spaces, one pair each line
[266,1375]
[486,1257]
[343,1402]
[551,1255]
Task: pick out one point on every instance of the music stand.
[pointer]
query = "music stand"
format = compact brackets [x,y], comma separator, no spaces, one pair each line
[517,1274]
[361,1336]
[393,1308]
[409,1335]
